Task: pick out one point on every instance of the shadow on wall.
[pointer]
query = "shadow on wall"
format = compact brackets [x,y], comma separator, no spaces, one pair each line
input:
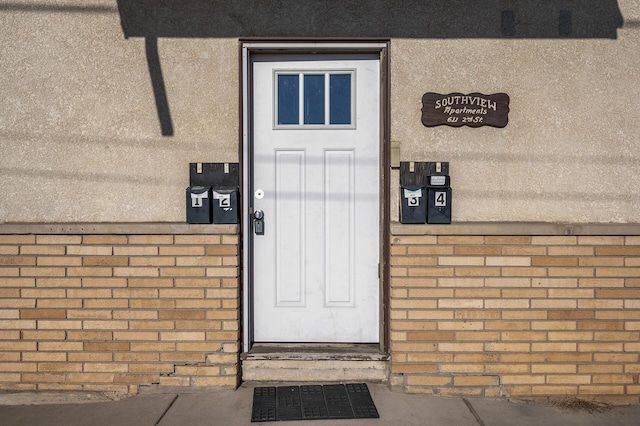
[435,19]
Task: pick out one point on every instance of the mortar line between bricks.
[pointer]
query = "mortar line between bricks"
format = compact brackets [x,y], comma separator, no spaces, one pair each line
[167,410]
[473,411]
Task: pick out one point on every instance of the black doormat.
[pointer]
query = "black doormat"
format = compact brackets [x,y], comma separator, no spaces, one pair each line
[309,402]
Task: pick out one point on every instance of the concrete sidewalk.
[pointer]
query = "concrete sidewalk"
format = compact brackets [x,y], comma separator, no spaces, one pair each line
[234,408]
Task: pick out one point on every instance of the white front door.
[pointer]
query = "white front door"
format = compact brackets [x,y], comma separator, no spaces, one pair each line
[316,177]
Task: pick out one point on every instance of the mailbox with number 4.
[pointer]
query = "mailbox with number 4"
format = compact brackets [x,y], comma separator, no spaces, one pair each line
[438,196]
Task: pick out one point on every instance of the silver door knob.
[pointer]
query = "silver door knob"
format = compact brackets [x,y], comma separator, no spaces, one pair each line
[258,215]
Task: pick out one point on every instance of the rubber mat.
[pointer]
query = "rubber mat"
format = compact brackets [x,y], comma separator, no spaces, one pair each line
[308,402]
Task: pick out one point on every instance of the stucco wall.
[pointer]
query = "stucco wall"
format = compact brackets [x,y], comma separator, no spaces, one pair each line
[81,138]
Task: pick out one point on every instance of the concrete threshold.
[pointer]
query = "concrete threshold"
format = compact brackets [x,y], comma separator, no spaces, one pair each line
[314,362]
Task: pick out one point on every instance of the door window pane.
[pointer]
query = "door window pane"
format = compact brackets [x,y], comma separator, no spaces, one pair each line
[314,99]
[340,99]
[288,99]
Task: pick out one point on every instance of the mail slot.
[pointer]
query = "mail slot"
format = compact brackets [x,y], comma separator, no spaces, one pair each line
[439,199]
[199,204]
[413,205]
[225,205]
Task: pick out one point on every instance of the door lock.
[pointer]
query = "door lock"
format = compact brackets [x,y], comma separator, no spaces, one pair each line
[258,222]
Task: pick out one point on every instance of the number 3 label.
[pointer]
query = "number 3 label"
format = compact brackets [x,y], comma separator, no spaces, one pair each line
[441,199]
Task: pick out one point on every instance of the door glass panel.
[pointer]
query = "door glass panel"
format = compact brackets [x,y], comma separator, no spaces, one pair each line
[288,99]
[314,99]
[340,99]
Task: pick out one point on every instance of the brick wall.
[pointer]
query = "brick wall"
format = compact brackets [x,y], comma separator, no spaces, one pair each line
[529,317]
[112,312]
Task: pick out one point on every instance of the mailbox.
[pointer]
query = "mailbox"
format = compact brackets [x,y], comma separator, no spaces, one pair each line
[225,205]
[413,205]
[198,204]
[438,195]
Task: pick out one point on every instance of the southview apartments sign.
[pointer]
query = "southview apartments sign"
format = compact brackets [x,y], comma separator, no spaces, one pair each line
[457,110]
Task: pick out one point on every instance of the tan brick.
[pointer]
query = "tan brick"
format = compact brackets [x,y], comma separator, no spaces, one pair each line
[135,293]
[58,239]
[460,282]
[478,293]
[571,314]
[17,260]
[104,261]
[568,379]
[508,261]
[135,314]
[59,303]
[507,304]
[600,368]
[507,239]
[181,251]
[136,335]
[616,335]
[60,346]
[151,325]
[104,325]
[602,261]
[182,293]
[600,390]
[414,239]
[160,367]
[506,325]
[460,325]
[460,303]
[43,314]
[600,347]
[508,379]
[428,250]
[89,335]
[601,304]
[555,304]
[571,272]
[225,271]
[197,239]
[137,272]
[429,380]
[59,367]
[17,239]
[90,250]
[481,314]
[226,250]
[104,282]
[476,381]
[152,261]
[460,347]
[183,335]
[508,282]
[105,303]
[42,272]
[554,347]
[90,271]
[58,282]
[462,368]
[42,356]
[44,250]
[464,271]
[150,239]
[184,271]
[104,239]
[527,336]
[133,250]
[150,303]
[618,272]
[90,356]
[515,271]
[89,314]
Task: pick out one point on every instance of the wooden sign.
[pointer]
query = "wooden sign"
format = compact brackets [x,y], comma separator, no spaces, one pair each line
[473,110]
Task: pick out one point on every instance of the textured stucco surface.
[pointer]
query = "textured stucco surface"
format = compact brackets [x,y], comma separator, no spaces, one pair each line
[80,139]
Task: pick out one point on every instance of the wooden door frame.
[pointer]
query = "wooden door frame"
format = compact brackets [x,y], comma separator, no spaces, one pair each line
[248,47]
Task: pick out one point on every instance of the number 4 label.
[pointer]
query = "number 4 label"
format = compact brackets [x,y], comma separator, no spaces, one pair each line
[440,199]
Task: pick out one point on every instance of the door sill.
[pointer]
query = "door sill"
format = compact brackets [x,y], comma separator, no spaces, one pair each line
[315,351]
